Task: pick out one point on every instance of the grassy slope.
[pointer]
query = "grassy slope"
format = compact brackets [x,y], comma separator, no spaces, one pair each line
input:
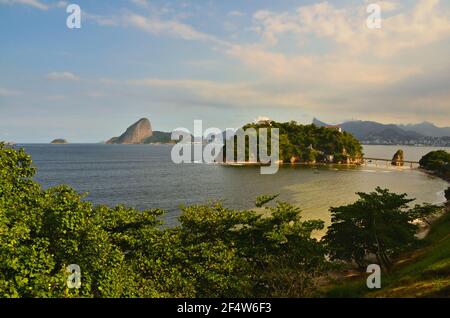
[424,272]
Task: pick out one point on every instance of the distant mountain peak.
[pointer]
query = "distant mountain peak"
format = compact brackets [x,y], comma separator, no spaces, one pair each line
[135,134]
[318,123]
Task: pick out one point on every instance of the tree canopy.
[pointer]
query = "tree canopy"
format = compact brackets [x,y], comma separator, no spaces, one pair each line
[380,223]
[213,251]
[123,252]
[309,143]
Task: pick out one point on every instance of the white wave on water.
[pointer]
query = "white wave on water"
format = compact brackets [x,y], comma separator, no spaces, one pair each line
[442,199]
[376,171]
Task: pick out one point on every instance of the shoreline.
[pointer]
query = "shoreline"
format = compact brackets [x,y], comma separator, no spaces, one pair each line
[256,164]
[426,226]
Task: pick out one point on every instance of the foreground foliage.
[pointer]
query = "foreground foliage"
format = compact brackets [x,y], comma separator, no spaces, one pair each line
[213,252]
[122,252]
[379,223]
[421,272]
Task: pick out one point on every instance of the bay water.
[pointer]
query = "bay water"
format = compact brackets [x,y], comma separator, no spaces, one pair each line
[144,177]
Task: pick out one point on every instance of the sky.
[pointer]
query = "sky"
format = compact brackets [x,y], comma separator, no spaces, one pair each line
[223,62]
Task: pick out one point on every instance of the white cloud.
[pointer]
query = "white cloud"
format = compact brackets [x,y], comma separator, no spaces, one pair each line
[340,80]
[37,4]
[157,26]
[425,23]
[337,78]
[330,69]
[33,3]
[62,76]
[358,60]
[237,94]
[387,6]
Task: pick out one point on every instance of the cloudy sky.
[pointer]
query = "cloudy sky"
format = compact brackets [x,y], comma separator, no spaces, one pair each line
[225,62]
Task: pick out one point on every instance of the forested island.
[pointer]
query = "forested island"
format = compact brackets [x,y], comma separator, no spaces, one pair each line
[312,144]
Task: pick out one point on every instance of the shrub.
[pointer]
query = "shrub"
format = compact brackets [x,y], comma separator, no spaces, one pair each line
[379,223]
[123,252]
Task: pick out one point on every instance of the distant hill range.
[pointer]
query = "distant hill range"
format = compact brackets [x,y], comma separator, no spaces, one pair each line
[370,132]
[427,129]
[367,132]
[141,133]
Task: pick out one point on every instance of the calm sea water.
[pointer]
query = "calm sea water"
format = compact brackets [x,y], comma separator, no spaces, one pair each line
[143,176]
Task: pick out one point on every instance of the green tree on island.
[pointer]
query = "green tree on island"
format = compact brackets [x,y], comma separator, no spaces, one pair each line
[438,162]
[309,143]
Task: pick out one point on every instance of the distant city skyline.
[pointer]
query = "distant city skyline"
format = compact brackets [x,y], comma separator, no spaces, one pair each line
[224,62]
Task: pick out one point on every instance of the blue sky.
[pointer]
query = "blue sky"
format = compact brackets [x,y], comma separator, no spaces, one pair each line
[225,62]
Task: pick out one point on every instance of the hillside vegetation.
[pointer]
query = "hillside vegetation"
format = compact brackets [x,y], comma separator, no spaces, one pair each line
[310,144]
[123,252]
[424,271]
[438,162]
[213,251]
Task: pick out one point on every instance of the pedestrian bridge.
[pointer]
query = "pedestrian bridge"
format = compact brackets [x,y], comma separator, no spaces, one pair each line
[388,162]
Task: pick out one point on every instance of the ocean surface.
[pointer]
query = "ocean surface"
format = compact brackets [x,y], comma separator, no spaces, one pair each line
[143,176]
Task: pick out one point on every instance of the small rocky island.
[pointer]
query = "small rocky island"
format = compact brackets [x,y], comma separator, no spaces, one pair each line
[398,159]
[59,142]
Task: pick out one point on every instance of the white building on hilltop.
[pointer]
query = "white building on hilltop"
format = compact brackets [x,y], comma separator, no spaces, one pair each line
[263,120]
